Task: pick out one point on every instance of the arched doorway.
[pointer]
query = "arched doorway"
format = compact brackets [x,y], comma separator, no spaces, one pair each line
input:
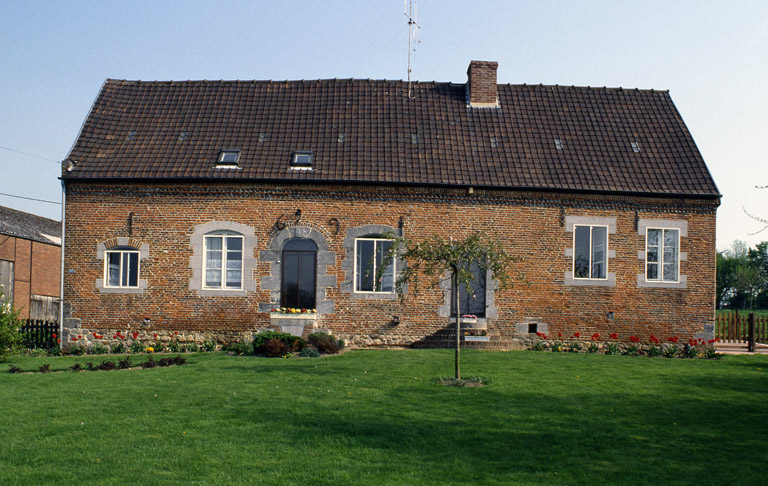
[299,274]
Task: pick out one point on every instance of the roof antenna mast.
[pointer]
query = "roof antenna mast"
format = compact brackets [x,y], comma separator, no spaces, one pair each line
[413,37]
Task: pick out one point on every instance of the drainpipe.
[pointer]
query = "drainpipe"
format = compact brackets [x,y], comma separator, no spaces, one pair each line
[61,273]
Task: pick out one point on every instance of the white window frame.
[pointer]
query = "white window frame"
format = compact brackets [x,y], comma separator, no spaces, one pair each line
[591,251]
[376,241]
[661,262]
[223,283]
[122,252]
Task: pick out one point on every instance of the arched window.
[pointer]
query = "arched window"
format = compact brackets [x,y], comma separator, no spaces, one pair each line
[472,297]
[121,267]
[299,276]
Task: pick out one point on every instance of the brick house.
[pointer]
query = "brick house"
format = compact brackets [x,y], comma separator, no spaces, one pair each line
[30,263]
[197,207]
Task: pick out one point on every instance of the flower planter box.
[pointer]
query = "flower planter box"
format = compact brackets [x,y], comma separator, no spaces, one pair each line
[477,339]
[281,315]
[292,323]
[469,320]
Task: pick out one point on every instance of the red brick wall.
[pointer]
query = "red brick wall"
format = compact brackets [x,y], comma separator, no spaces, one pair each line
[481,80]
[36,269]
[528,223]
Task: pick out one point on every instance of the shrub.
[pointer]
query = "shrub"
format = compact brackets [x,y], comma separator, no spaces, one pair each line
[14,369]
[150,363]
[10,337]
[76,350]
[118,348]
[653,351]
[76,367]
[275,348]
[324,343]
[593,348]
[291,342]
[670,351]
[106,366]
[309,352]
[137,347]
[158,347]
[209,345]
[239,349]
[612,348]
[99,348]
[124,364]
[174,347]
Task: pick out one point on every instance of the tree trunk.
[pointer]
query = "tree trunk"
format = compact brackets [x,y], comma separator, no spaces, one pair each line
[458,324]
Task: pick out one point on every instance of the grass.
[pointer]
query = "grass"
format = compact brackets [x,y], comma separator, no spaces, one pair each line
[378,417]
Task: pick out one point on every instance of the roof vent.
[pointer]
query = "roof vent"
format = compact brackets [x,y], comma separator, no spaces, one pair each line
[558,144]
[635,147]
[302,160]
[183,136]
[341,137]
[131,135]
[494,142]
[262,137]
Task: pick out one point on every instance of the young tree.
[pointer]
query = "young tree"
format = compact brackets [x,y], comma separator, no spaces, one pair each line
[436,256]
[10,337]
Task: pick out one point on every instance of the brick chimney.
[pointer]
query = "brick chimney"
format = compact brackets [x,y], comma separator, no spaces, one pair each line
[481,84]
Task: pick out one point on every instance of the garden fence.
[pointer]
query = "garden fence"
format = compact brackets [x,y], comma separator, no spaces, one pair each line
[40,334]
[741,328]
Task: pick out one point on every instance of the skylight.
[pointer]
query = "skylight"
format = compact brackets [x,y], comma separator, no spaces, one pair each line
[301,160]
[635,147]
[228,159]
[558,144]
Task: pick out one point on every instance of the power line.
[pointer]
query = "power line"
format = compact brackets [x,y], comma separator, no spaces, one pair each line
[28,154]
[30,198]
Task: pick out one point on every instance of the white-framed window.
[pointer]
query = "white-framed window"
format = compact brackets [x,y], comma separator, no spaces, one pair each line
[590,252]
[121,268]
[223,261]
[369,256]
[662,255]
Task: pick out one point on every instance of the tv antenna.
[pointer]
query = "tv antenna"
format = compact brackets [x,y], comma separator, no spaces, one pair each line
[411,18]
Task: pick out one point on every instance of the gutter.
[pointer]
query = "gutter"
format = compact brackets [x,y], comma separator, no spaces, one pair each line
[61,273]
[555,190]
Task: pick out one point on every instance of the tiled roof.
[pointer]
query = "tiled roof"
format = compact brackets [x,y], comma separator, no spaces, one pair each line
[29,226]
[368,131]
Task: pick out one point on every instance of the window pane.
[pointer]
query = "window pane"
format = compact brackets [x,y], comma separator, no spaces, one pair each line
[670,272]
[133,269]
[213,278]
[652,271]
[652,255]
[113,269]
[306,280]
[364,270]
[581,252]
[387,283]
[234,243]
[599,243]
[290,293]
[653,237]
[233,278]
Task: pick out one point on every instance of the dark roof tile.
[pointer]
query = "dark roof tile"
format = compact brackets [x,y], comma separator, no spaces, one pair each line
[433,138]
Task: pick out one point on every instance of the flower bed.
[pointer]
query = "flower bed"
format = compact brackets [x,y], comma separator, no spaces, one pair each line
[671,348]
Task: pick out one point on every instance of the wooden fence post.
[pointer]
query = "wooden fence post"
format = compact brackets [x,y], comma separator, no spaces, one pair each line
[751,332]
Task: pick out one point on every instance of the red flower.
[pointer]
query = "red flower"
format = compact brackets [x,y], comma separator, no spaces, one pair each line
[560,335]
[175,332]
[614,335]
[544,336]
[692,342]
[595,336]
[673,339]
[74,339]
[654,339]
[155,335]
[53,335]
[634,339]
[135,334]
[79,337]
[712,341]
[577,335]
[58,340]
[539,334]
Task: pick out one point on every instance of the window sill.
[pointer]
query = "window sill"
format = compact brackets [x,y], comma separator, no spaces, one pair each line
[282,315]
[682,284]
[609,281]
[375,295]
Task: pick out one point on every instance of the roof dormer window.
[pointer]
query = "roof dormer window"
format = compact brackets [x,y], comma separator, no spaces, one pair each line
[228,159]
[302,160]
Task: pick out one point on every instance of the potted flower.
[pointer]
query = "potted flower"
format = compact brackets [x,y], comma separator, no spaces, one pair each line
[469,319]
[476,335]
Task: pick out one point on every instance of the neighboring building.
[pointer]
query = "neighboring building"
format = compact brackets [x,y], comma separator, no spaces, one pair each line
[30,263]
[197,207]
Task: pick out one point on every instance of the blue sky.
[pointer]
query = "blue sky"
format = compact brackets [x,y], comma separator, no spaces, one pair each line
[711,56]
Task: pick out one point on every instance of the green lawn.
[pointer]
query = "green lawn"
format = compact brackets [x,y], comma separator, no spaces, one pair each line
[374,417]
